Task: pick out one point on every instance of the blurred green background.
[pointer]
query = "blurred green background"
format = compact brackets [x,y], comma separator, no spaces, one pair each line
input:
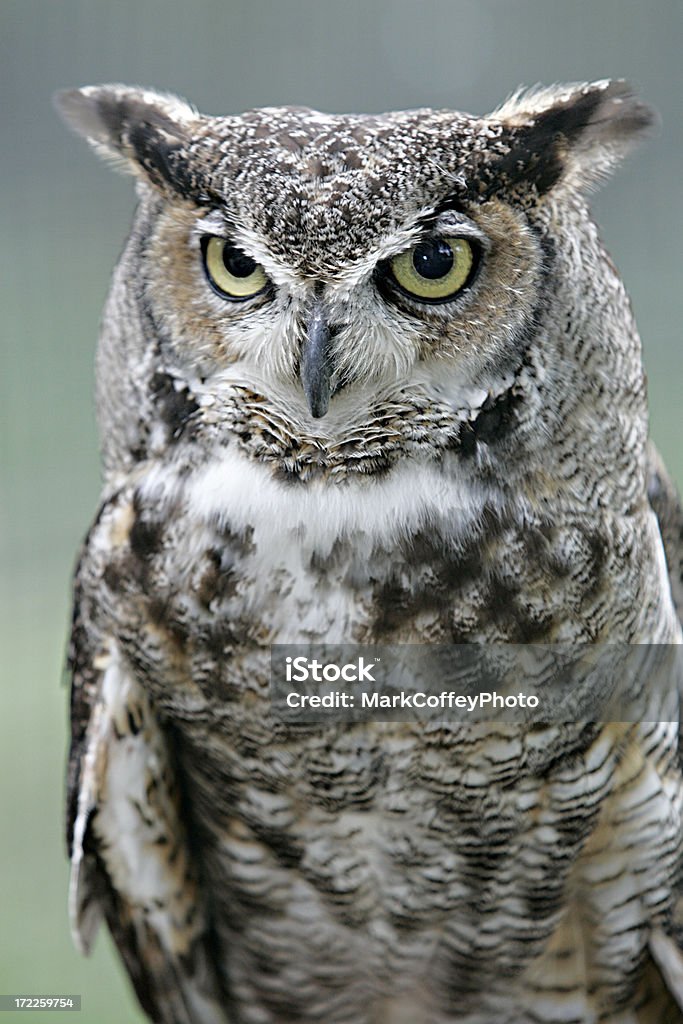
[64,218]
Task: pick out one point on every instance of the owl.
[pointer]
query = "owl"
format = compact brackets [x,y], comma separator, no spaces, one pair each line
[371,380]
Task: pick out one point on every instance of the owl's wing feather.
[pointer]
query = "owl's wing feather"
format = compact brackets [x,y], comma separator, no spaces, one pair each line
[666,503]
[668,956]
[129,855]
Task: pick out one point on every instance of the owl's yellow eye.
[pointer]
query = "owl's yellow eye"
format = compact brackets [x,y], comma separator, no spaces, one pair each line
[434,270]
[232,273]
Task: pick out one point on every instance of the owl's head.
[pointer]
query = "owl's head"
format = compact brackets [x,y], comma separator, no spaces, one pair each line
[338,291]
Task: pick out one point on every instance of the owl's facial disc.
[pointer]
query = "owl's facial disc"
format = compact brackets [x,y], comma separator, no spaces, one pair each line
[316,367]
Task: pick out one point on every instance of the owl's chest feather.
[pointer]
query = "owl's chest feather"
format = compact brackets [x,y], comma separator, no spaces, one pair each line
[201,567]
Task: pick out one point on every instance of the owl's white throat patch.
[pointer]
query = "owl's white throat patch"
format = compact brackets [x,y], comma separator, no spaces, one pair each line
[234,492]
[379,476]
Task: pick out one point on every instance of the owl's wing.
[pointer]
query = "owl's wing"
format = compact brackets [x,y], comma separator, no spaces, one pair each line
[666,503]
[129,855]
[667,950]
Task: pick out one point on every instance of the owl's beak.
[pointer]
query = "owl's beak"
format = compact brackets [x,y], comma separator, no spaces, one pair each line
[316,367]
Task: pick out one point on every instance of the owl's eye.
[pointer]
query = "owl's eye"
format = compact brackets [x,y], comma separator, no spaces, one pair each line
[434,270]
[231,273]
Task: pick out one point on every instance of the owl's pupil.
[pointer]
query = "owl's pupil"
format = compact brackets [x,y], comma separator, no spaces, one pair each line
[237,262]
[432,259]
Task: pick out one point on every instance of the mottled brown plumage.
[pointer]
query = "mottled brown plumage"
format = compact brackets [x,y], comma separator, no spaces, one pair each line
[334,457]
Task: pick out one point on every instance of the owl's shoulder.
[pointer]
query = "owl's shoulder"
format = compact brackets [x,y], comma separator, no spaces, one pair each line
[666,504]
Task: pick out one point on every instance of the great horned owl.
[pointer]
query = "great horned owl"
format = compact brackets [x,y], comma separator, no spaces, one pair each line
[370,378]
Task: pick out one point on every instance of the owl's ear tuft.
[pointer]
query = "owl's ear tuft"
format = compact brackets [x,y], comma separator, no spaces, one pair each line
[142,132]
[575,133]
